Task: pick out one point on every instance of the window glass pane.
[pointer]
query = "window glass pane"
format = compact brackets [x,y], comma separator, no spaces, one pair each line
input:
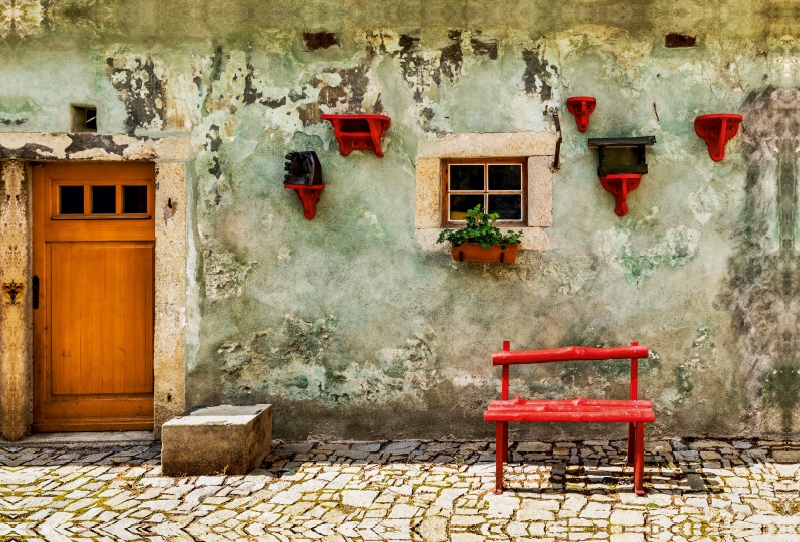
[71,200]
[466,177]
[505,177]
[134,199]
[460,204]
[104,199]
[508,206]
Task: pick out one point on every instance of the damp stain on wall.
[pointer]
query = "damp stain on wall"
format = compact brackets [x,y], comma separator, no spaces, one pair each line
[764,276]
[141,89]
[300,361]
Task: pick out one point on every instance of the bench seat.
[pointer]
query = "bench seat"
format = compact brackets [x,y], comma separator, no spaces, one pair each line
[569,410]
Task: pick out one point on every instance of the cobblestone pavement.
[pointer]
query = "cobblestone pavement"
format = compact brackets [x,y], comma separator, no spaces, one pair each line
[411,490]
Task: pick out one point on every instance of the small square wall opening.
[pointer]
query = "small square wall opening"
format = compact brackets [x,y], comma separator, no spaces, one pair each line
[84,118]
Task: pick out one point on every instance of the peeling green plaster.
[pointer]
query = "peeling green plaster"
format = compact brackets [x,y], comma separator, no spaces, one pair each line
[676,248]
[223,274]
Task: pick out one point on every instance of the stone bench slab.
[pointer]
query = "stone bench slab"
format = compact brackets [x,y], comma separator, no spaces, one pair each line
[224,439]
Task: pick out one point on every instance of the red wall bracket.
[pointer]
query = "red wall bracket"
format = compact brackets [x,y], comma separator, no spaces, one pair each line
[359,131]
[581,107]
[620,184]
[717,129]
[309,195]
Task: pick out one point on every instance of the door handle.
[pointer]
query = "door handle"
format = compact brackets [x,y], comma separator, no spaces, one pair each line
[35,291]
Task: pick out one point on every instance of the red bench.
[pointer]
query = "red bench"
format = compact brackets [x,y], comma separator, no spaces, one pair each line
[631,411]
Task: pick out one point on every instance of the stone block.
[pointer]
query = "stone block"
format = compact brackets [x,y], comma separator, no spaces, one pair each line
[215,440]
[786,456]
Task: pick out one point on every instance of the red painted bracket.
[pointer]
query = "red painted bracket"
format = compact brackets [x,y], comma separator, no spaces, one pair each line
[620,184]
[359,132]
[717,129]
[309,195]
[581,107]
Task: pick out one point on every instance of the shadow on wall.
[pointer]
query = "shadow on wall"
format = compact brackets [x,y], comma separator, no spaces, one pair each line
[763,292]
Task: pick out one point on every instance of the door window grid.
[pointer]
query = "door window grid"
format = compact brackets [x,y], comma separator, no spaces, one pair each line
[499,185]
[78,200]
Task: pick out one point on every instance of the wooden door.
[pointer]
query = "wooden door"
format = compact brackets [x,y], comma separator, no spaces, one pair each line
[94,237]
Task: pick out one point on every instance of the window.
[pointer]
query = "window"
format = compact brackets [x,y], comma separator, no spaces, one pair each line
[497,184]
[81,200]
[507,172]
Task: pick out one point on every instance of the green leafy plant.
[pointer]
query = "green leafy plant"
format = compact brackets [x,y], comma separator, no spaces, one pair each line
[480,228]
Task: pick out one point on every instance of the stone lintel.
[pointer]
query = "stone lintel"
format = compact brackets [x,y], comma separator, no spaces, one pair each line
[495,145]
[92,146]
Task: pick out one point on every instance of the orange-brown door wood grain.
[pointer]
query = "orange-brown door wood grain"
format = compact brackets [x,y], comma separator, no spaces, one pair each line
[94,238]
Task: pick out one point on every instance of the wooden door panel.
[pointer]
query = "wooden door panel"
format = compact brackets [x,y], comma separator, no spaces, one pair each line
[93,331]
[100,311]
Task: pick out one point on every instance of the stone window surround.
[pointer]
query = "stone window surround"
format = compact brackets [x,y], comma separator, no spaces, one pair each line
[537,147]
[16,239]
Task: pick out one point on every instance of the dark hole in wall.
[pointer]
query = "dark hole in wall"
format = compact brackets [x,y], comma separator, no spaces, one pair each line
[320,40]
[84,119]
[679,40]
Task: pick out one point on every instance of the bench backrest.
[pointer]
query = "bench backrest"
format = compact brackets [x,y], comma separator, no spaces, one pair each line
[507,357]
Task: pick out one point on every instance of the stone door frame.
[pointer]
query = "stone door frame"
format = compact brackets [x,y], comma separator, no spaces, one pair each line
[17,152]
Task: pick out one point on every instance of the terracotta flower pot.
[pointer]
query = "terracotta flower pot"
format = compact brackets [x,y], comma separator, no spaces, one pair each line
[474,252]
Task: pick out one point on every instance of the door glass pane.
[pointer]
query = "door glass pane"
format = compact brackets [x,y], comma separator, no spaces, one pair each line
[134,199]
[71,198]
[104,199]
[460,204]
[508,206]
[505,177]
[466,177]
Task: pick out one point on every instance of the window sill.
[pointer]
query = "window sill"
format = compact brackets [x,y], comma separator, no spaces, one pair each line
[533,238]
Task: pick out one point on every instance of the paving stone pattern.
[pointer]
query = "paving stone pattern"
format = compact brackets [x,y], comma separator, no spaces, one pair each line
[412,490]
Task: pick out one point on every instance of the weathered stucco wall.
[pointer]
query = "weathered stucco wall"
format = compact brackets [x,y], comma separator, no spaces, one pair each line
[344,322]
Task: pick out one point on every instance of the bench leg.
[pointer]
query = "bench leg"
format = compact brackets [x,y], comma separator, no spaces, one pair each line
[631,443]
[499,453]
[505,442]
[638,466]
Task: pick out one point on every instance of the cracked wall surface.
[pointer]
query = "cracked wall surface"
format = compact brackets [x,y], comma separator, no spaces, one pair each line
[344,322]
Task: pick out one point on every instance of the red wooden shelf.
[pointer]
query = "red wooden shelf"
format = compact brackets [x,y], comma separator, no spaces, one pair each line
[359,132]
[581,107]
[717,129]
[309,195]
[620,184]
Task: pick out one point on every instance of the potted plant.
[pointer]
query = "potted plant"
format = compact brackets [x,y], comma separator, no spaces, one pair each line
[481,241]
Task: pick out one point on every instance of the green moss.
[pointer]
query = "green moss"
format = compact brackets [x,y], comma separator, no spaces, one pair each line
[683,382]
